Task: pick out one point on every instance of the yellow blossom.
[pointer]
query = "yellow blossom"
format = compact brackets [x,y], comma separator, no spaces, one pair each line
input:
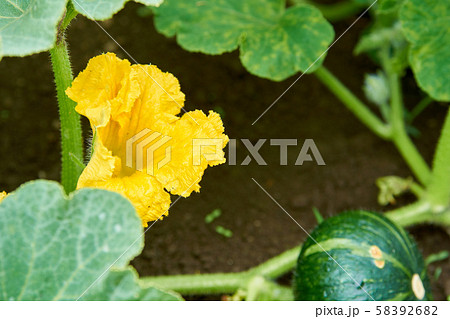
[125,105]
[2,195]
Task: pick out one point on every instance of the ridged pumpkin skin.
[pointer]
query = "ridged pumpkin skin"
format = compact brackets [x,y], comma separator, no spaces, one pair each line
[379,255]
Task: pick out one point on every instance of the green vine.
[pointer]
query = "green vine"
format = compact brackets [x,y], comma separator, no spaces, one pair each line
[358,108]
[439,188]
[226,283]
[395,131]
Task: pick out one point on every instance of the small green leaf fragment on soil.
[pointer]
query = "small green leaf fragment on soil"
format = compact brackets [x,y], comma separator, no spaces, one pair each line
[437,273]
[436,257]
[318,216]
[224,231]
[212,216]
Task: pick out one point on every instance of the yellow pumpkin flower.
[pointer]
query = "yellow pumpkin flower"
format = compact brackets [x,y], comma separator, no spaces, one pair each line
[141,148]
[2,195]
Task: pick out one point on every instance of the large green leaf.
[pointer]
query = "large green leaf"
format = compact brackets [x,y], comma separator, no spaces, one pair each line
[29,26]
[275,42]
[426,26]
[365,2]
[125,285]
[105,9]
[388,6]
[54,247]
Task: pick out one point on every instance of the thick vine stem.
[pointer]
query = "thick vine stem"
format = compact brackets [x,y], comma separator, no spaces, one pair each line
[399,136]
[394,132]
[221,283]
[71,136]
[419,213]
[439,188]
[358,108]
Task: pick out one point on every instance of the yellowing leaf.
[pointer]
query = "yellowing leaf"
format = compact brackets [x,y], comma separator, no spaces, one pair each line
[426,26]
[275,42]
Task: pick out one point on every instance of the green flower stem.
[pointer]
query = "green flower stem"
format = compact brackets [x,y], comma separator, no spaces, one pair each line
[399,136]
[71,137]
[396,132]
[439,188]
[412,157]
[221,283]
[358,108]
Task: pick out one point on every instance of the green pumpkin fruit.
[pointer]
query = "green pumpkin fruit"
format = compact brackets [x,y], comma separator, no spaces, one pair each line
[360,255]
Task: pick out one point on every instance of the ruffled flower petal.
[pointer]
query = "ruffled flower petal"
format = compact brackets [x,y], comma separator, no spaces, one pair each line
[101,167]
[106,88]
[2,195]
[144,191]
[197,142]
[129,103]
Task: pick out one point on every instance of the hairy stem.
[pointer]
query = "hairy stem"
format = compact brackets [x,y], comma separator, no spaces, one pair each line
[71,136]
[69,15]
[226,283]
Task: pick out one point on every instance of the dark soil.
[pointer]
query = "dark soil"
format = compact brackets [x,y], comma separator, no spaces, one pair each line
[183,243]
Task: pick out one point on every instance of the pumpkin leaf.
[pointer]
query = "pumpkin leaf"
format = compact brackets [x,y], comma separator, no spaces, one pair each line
[29,26]
[55,247]
[425,25]
[124,284]
[275,42]
[105,9]
[388,6]
[364,2]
